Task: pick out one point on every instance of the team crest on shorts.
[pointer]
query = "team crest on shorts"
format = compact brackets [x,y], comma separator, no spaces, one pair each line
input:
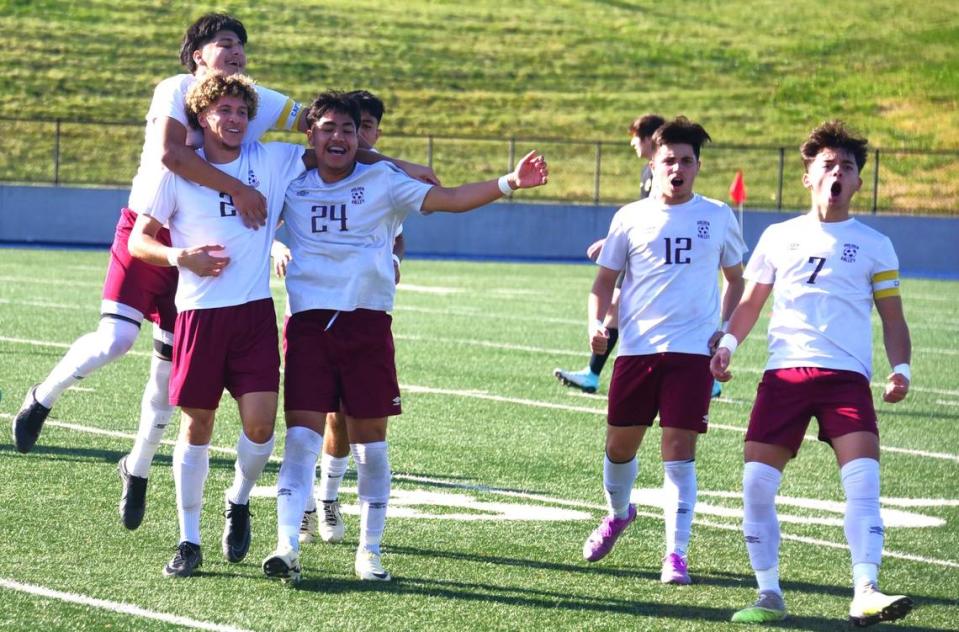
[358,194]
[252,180]
[849,253]
[702,229]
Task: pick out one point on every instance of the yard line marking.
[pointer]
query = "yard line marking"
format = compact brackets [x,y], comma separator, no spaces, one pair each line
[944,402]
[466,312]
[428,289]
[115,606]
[67,282]
[60,345]
[6,301]
[597,411]
[488,344]
[517,494]
[934,351]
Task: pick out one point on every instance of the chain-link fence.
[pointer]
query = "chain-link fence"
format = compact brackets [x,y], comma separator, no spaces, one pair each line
[585,172]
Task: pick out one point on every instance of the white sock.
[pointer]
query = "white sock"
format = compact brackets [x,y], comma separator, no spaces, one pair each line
[112,338]
[251,458]
[155,414]
[373,487]
[618,479]
[311,495]
[863,523]
[760,524]
[191,463]
[332,469]
[300,452]
[679,489]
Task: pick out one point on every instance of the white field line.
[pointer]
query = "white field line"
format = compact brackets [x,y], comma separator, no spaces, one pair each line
[517,494]
[944,402]
[551,405]
[466,312]
[114,606]
[66,282]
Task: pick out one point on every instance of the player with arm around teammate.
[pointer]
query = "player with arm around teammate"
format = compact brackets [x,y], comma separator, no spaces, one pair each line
[671,246]
[225,334]
[342,219]
[825,271]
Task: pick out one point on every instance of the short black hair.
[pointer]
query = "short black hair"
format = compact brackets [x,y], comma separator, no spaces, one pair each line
[201,33]
[645,125]
[681,130]
[834,135]
[333,101]
[369,103]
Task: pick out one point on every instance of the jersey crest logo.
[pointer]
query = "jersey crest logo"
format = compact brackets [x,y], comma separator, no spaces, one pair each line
[358,194]
[849,253]
[252,180]
[702,229]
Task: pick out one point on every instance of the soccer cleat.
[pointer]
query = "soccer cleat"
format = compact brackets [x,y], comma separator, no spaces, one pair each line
[369,567]
[675,570]
[308,527]
[283,564]
[769,607]
[185,561]
[600,542]
[29,421]
[332,527]
[133,500]
[717,389]
[236,531]
[584,380]
[870,606]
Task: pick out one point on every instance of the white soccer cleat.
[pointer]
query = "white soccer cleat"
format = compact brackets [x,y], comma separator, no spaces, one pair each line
[283,564]
[369,567]
[309,526]
[332,527]
[870,606]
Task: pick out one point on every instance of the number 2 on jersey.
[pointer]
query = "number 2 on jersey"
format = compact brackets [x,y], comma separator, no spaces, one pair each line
[819,261]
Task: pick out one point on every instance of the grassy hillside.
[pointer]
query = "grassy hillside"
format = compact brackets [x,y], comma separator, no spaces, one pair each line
[759,72]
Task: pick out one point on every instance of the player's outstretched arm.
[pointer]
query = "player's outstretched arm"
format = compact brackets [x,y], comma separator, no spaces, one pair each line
[740,324]
[183,161]
[532,171]
[895,337]
[597,305]
[144,245]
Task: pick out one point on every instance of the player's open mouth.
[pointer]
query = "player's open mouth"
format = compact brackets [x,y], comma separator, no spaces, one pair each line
[336,151]
[677,182]
[835,189]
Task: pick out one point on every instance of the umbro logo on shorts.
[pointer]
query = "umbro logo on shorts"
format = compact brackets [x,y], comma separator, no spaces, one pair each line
[396,401]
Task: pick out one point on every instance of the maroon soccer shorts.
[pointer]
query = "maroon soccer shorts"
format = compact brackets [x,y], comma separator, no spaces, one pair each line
[349,361]
[147,288]
[786,400]
[236,348]
[675,385]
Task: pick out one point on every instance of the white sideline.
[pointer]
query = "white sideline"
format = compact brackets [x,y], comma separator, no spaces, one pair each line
[517,494]
[115,606]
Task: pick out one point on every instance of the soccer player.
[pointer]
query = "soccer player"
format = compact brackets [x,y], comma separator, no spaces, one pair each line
[342,219]
[825,270]
[225,333]
[640,139]
[336,443]
[133,289]
[670,245]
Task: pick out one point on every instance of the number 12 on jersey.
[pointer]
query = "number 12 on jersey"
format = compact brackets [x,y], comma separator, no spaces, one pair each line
[675,249]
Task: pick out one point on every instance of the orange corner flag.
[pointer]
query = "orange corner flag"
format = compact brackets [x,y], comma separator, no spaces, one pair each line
[737,190]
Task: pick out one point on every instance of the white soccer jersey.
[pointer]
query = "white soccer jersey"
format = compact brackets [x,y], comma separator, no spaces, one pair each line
[274,111]
[341,237]
[670,295]
[199,216]
[825,276]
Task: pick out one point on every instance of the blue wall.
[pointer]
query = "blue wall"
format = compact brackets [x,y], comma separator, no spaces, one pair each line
[927,246]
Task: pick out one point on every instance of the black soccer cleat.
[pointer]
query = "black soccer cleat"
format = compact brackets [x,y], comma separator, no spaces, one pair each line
[28,422]
[133,500]
[185,561]
[236,531]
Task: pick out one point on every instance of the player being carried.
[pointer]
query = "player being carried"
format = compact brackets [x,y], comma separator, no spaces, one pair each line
[342,219]
[671,246]
[825,270]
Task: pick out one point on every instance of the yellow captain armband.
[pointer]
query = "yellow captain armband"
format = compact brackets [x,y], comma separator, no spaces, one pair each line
[885,284]
[289,117]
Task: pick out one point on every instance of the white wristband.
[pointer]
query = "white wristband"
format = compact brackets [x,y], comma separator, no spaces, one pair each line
[903,370]
[595,326]
[503,184]
[729,341]
[172,255]
[396,260]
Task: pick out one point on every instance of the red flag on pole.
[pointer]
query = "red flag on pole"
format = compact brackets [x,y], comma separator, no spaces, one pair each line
[737,190]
